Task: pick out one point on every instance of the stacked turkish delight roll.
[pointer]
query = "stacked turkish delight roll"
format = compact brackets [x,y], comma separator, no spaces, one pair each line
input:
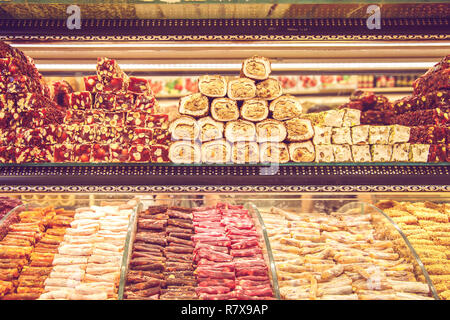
[241,120]
[28,115]
[113,120]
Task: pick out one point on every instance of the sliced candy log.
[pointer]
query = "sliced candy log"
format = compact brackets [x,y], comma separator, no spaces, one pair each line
[256,67]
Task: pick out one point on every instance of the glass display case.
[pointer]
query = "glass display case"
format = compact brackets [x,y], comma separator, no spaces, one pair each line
[373,228]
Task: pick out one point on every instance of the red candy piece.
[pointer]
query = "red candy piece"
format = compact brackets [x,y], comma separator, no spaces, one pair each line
[119,152]
[100,153]
[139,85]
[140,153]
[160,153]
[81,100]
[82,153]
[144,102]
[63,153]
[105,101]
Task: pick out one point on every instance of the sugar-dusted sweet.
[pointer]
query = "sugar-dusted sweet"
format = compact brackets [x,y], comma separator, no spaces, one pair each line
[159,153]
[82,152]
[322,135]
[400,152]
[194,105]
[63,153]
[214,86]
[241,89]
[81,100]
[210,129]
[342,153]
[100,152]
[361,153]
[124,101]
[341,136]
[119,152]
[360,134]
[302,151]
[285,107]
[324,153]
[381,152]
[352,117]
[399,134]
[105,101]
[270,130]
[139,85]
[140,153]
[269,89]
[379,134]
[419,152]
[256,67]
[144,102]
[240,130]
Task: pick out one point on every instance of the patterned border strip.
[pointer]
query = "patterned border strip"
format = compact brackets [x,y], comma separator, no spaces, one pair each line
[225,29]
[230,189]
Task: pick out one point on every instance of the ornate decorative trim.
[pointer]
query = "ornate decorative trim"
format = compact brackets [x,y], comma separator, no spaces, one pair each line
[332,29]
[227,189]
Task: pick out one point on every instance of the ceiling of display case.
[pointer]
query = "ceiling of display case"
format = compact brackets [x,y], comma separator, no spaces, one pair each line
[213,9]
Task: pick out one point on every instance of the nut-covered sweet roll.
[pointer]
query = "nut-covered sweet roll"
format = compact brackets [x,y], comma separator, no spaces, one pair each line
[245,152]
[224,109]
[299,129]
[269,89]
[184,128]
[273,152]
[240,130]
[195,105]
[255,110]
[302,151]
[217,151]
[285,107]
[212,85]
[185,152]
[270,130]
[257,68]
[241,89]
[210,129]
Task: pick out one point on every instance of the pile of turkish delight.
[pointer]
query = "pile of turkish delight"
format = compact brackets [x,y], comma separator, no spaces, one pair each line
[415,128]
[113,120]
[26,110]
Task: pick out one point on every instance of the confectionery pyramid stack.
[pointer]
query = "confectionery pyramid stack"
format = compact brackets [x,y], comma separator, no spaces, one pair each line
[427,111]
[241,120]
[27,113]
[113,120]
[415,128]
